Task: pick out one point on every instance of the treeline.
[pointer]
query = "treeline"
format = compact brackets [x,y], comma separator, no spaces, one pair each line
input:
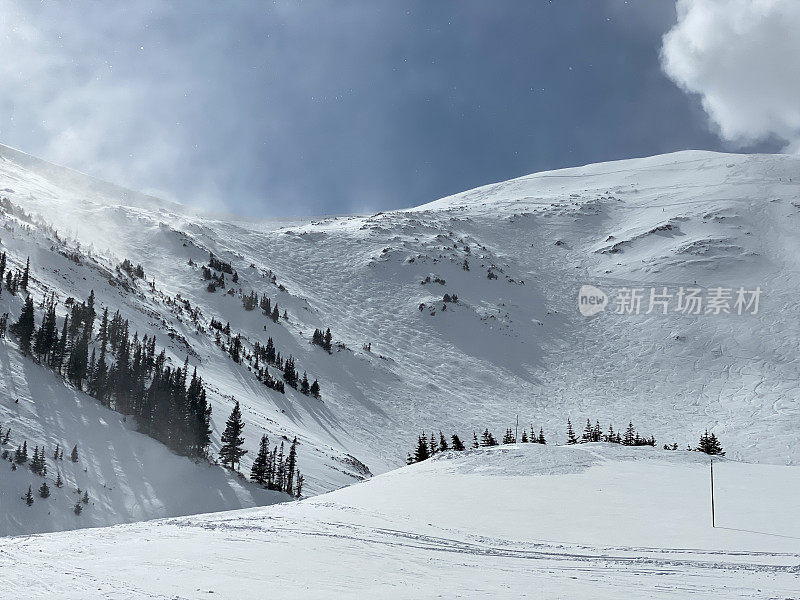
[429,446]
[124,373]
[594,433]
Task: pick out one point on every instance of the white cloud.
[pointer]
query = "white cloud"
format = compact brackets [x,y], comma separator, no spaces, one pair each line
[743,58]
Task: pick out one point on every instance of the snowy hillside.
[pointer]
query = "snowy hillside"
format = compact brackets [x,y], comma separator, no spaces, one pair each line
[586,521]
[403,360]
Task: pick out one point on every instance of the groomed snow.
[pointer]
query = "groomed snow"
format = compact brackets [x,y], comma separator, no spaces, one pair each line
[591,521]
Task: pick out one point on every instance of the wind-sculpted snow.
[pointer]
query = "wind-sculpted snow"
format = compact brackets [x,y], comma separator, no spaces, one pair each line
[512,344]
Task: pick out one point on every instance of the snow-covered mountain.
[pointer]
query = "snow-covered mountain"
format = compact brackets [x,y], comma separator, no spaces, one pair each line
[403,359]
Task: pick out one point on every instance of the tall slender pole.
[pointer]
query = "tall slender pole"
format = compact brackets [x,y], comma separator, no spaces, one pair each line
[713,519]
[516,431]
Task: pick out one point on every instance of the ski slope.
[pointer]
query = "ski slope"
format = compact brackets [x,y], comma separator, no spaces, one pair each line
[587,521]
[513,344]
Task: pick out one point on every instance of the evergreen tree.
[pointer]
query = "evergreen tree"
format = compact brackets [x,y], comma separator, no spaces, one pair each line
[457,443]
[630,435]
[524,437]
[587,432]
[433,445]
[474,440]
[314,389]
[508,438]
[85,498]
[443,446]
[422,452]
[541,439]
[44,491]
[304,386]
[78,508]
[59,481]
[24,327]
[29,497]
[231,451]
[291,466]
[710,444]
[571,439]
[24,281]
[74,454]
[258,472]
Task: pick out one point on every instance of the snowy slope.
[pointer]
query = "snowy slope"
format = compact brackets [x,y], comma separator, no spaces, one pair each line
[589,521]
[512,345]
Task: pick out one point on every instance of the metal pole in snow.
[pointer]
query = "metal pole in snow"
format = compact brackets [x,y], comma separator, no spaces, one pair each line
[713,520]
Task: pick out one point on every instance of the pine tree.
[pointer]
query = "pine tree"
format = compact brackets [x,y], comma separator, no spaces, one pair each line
[231,451]
[29,497]
[443,446]
[74,454]
[475,440]
[258,473]
[85,498]
[541,439]
[24,282]
[44,491]
[422,452]
[291,466]
[457,444]
[710,444]
[524,437]
[587,432]
[571,439]
[24,327]
[78,508]
[433,445]
[630,435]
[59,481]
[508,438]
[314,389]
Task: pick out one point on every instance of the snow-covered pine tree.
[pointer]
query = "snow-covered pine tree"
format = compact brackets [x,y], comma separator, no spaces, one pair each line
[29,497]
[44,490]
[74,454]
[457,444]
[443,445]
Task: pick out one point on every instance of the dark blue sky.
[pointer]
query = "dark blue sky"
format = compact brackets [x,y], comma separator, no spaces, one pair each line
[322,107]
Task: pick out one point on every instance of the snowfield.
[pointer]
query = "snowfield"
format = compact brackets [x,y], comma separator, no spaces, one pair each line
[531,521]
[406,360]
